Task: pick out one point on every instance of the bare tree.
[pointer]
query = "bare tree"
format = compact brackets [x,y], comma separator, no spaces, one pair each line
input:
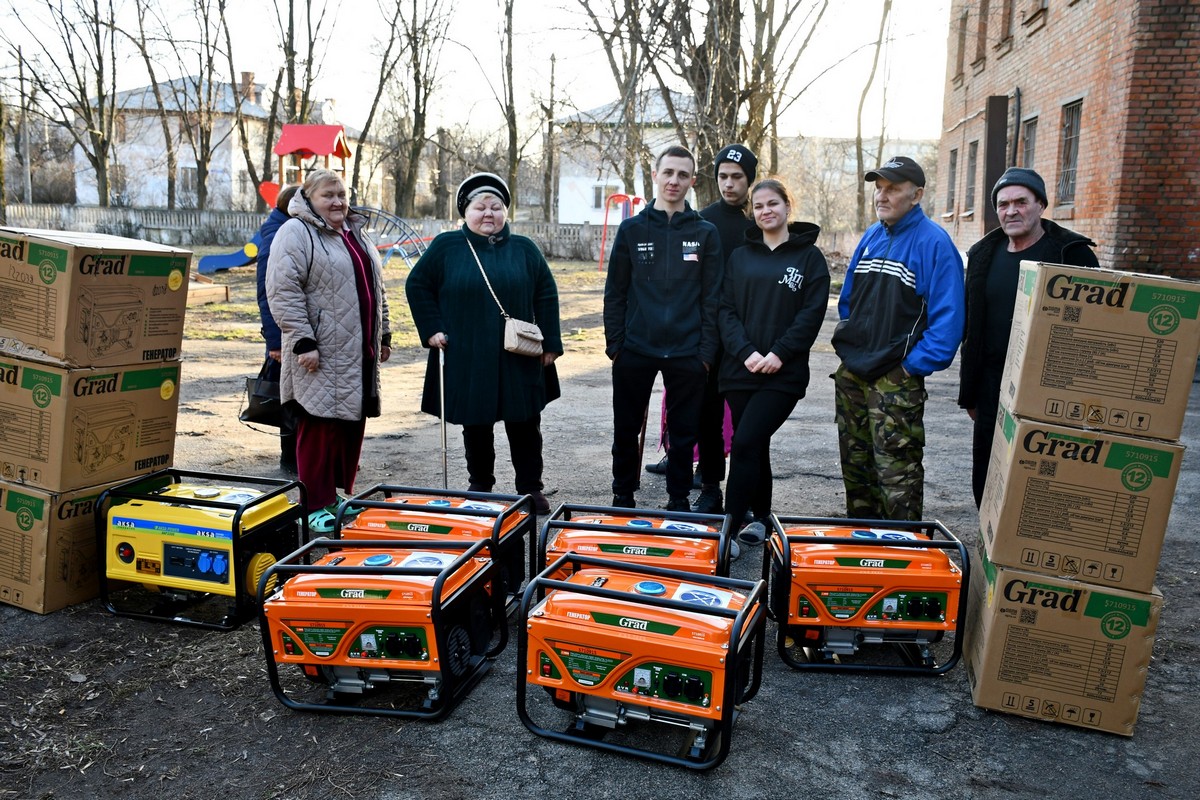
[388,59]
[144,44]
[861,218]
[509,103]
[304,46]
[74,69]
[548,149]
[423,33]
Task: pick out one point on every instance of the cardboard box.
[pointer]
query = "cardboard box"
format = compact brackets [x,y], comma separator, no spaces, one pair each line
[87,299]
[1059,651]
[48,554]
[63,429]
[1102,349]
[1075,503]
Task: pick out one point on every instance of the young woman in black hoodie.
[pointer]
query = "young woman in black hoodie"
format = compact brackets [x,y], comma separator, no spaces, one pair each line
[773,301]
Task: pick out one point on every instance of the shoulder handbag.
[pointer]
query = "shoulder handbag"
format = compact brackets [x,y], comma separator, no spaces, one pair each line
[261,404]
[520,337]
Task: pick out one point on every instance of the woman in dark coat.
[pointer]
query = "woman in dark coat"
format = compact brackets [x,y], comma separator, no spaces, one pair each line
[773,300]
[455,314]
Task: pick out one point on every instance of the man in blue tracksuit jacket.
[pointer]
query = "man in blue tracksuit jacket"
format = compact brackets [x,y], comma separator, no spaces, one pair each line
[902,313]
[660,315]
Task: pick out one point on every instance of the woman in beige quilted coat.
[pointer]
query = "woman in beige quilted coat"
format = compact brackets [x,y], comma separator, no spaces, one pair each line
[326,292]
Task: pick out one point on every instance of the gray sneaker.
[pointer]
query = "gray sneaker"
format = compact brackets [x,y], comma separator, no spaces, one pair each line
[735,550]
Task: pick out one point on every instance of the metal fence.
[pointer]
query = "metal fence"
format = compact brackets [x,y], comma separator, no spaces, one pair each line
[189,227]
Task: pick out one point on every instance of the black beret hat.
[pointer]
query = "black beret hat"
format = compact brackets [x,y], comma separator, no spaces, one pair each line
[480,183]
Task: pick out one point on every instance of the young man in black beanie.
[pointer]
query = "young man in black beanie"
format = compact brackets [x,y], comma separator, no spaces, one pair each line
[993,264]
[735,168]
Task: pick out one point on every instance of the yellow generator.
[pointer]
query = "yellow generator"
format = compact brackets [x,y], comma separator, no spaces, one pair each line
[418,514]
[670,539]
[624,652]
[190,547]
[414,625]
[839,586]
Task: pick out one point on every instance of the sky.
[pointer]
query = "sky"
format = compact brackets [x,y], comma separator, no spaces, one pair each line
[915,61]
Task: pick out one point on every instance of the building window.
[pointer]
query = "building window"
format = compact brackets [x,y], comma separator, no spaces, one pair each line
[962,46]
[1072,115]
[972,159]
[1029,145]
[244,186]
[952,180]
[981,26]
[600,195]
[118,186]
[185,188]
[1007,18]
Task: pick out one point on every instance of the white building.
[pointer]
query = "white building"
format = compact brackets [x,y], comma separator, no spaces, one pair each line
[138,160]
[592,147]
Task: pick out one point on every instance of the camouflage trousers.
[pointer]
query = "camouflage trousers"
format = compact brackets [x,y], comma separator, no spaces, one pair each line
[881,431]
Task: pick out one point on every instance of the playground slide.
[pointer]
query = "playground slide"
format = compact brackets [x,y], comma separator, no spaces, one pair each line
[242,257]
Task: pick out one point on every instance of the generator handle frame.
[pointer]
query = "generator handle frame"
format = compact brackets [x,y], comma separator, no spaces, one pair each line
[437,605]
[561,520]
[931,528]
[516,504]
[160,479]
[752,616]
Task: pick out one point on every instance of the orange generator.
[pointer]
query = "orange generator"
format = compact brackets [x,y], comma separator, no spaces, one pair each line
[674,540]
[406,513]
[615,644]
[839,584]
[426,616]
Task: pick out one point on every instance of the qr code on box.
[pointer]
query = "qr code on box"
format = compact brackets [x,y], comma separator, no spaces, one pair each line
[1028,616]
[1047,469]
[1071,313]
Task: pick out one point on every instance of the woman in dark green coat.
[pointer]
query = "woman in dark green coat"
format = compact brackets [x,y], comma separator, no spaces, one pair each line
[455,313]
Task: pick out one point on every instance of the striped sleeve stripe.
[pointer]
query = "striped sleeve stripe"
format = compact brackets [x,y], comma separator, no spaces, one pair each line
[886,267]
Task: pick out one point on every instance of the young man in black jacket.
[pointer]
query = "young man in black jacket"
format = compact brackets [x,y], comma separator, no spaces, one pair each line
[660,315]
[993,264]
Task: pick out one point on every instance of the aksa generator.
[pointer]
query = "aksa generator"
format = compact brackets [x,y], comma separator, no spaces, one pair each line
[406,513]
[840,585]
[190,547]
[624,652]
[413,625]
[689,542]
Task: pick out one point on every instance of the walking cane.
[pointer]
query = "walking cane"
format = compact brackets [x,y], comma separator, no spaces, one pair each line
[442,402]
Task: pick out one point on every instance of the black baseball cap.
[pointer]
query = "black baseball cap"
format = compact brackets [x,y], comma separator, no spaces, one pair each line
[898,169]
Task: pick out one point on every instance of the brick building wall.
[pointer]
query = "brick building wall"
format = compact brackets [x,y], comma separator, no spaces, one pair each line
[1127,70]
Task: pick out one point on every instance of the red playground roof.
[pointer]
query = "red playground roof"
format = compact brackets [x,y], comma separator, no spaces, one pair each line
[313,140]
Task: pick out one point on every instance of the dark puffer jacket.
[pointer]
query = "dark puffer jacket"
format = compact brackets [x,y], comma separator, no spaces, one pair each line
[1074,249]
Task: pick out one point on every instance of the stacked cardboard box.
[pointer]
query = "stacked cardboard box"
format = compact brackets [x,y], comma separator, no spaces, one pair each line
[1084,465]
[90,331]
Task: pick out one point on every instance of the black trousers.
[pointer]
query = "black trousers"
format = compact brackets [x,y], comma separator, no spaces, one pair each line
[985,428]
[756,417]
[712,431]
[633,381]
[524,444]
